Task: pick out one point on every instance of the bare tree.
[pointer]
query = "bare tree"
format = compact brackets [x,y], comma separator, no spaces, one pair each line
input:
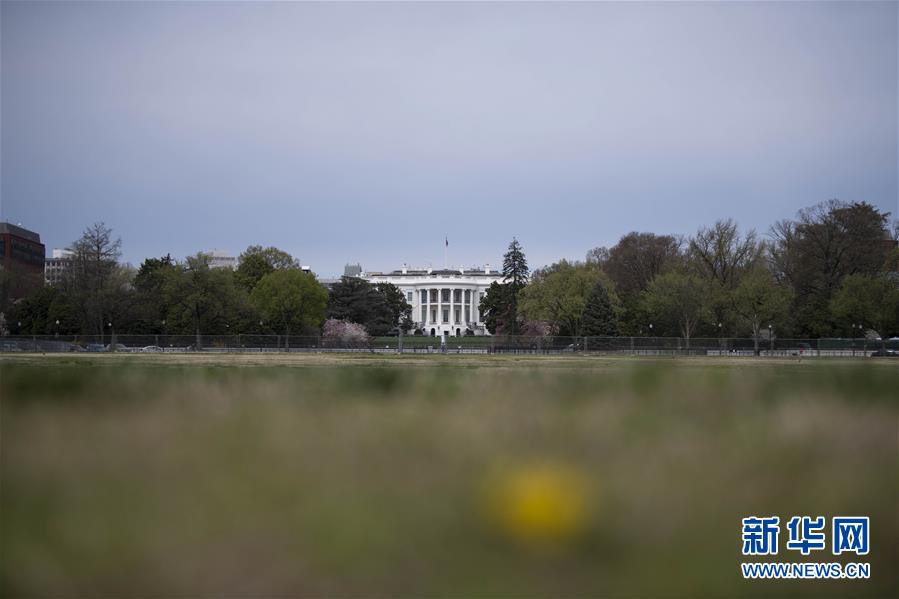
[94,263]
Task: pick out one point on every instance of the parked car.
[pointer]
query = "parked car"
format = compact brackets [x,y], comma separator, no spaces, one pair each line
[151,349]
[96,347]
[885,353]
[118,347]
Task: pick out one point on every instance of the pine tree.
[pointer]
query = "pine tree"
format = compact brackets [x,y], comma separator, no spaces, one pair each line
[599,317]
[515,277]
[515,266]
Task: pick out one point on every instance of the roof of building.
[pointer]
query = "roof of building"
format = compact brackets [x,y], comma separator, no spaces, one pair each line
[18,231]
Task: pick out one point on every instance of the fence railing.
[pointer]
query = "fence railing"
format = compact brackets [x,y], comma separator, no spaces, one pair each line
[705,346]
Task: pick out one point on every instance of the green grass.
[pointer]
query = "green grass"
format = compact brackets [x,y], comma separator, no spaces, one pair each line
[362,475]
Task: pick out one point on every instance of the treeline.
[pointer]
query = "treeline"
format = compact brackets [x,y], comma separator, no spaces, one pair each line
[268,293]
[830,272]
[833,271]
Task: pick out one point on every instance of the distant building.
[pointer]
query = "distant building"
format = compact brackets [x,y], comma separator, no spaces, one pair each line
[352,270]
[22,257]
[56,266]
[444,302]
[221,259]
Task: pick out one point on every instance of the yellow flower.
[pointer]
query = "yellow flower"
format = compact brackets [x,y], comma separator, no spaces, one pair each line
[539,504]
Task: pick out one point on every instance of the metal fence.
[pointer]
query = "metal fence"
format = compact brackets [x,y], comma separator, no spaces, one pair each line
[646,346]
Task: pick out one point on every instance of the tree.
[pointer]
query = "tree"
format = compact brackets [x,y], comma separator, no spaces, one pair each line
[151,307]
[638,258]
[826,243]
[721,256]
[494,308]
[342,333]
[599,319]
[558,295]
[499,307]
[515,266]
[631,264]
[871,301]
[291,298]
[94,261]
[256,262]
[676,301]
[358,301]
[400,309]
[200,298]
[759,299]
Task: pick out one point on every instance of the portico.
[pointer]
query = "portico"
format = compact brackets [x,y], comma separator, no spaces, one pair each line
[444,302]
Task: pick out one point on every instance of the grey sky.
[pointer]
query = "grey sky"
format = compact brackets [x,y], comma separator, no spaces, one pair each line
[366,132]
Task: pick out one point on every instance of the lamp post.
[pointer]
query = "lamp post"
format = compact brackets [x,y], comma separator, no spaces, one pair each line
[771,337]
[57,329]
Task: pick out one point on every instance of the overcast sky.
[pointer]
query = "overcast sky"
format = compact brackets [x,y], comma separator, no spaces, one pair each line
[368,132]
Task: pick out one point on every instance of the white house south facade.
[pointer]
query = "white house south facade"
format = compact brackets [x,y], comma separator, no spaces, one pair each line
[444,301]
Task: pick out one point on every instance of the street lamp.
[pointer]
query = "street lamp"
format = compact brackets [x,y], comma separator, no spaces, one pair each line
[57,328]
[771,337]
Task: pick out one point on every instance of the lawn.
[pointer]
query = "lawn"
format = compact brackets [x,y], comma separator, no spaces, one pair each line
[433,475]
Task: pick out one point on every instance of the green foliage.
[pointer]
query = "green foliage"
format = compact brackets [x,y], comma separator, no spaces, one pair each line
[871,301]
[499,307]
[759,301]
[515,266]
[813,254]
[291,300]
[202,299]
[558,295]
[256,262]
[355,300]
[677,303]
[496,308]
[600,318]
[631,264]
[400,309]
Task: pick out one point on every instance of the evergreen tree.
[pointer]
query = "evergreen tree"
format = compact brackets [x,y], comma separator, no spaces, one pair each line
[503,310]
[515,266]
[599,318]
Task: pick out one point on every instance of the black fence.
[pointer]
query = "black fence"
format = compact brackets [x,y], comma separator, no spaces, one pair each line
[497,344]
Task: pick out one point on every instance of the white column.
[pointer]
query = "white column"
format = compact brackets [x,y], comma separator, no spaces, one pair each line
[453,308]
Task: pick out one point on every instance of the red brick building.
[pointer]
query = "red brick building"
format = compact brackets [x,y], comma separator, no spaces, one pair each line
[22,259]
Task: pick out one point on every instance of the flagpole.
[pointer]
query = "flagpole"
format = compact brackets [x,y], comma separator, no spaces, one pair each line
[445,246]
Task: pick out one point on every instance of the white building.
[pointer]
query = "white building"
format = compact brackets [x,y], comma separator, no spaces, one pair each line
[444,302]
[221,259]
[56,266]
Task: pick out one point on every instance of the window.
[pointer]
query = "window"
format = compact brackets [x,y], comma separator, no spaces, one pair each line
[409,296]
[456,315]
[446,315]
[445,294]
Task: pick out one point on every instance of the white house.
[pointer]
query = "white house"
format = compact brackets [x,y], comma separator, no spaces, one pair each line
[444,302]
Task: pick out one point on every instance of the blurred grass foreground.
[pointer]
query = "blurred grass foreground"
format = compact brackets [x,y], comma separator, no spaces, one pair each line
[449,476]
